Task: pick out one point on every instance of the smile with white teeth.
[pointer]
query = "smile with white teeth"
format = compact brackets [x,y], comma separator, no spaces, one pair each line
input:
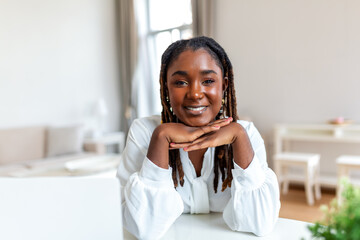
[196,108]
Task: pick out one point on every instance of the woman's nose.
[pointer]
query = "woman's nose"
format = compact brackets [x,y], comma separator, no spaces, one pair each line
[195,92]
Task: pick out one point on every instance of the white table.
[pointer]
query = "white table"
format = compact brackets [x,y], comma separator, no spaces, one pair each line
[323,133]
[212,226]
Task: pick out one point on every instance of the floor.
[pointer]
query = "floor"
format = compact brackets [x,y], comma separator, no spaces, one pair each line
[294,206]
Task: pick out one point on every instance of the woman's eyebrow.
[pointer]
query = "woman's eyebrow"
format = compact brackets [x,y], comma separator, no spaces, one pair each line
[205,72]
[184,73]
[181,73]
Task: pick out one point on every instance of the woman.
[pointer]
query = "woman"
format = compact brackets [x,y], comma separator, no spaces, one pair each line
[199,158]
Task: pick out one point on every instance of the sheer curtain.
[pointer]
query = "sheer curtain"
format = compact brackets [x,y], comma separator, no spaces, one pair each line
[203,17]
[146,91]
[128,51]
[139,95]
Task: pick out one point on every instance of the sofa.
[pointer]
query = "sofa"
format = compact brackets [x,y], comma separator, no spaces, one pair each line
[41,147]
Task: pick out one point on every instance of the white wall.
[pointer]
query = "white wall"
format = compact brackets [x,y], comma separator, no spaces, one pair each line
[295,61]
[56,59]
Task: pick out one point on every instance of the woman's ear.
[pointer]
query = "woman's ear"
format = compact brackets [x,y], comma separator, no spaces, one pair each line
[225,84]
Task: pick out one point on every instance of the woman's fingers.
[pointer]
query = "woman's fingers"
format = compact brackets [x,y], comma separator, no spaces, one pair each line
[213,139]
[199,145]
[214,126]
[208,137]
[195,133]
[224,120]
[221,122]
[187,144]
[200,131]
[200,139]
[202,142]
[179,145]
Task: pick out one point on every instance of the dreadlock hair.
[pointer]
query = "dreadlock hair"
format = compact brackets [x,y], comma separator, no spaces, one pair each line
[223,154]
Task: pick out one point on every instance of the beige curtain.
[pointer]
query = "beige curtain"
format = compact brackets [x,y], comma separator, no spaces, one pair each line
[128,59]
[203,17]
[145,92]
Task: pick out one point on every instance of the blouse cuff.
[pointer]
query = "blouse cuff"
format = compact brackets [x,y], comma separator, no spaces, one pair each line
[250,178]
[152,173]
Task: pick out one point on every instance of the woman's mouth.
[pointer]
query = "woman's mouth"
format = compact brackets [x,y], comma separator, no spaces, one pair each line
[196,110]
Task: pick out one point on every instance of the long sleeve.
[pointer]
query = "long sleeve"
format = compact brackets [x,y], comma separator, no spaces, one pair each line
[150,204]
[255,201]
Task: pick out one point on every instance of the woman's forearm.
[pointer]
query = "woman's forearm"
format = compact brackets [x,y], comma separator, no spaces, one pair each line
[242,149]
[158,151]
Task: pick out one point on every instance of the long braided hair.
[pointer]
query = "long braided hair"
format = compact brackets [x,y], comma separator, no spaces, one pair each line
[223,154]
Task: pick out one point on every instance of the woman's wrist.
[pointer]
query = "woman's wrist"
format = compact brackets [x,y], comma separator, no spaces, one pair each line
[158,151]
[242,149]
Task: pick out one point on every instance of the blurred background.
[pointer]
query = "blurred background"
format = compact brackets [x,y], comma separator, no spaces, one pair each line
[96,63]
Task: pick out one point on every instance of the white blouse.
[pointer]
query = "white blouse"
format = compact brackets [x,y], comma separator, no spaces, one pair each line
[151,204]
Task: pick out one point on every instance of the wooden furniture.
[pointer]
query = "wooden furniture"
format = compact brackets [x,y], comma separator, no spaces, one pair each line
[310,166]
[345,165]
[317,133]
[212,227]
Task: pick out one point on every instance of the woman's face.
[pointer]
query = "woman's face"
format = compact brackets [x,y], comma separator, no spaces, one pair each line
[196,87]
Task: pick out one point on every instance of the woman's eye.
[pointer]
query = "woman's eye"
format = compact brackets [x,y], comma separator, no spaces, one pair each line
[208,81]
[180,83]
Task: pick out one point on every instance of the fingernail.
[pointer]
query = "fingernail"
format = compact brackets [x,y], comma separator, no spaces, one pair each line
[172,143]
[216,126]
[185,148]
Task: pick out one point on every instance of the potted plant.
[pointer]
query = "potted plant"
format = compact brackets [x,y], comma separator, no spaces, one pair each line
[342,220]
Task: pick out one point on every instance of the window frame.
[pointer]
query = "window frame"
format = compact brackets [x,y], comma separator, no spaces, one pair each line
[151,34]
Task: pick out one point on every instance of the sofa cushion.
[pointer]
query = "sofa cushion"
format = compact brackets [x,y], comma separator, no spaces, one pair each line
[21,144]
[64,140]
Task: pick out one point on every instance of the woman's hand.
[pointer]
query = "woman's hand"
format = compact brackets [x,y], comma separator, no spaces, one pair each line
[233,134]
[168,134]
[178,133]
[224,135]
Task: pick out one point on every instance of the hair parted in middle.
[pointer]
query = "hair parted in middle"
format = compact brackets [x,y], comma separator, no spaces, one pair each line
[223,154]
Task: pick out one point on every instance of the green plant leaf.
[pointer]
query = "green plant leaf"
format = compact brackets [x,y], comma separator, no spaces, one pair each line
[342,220]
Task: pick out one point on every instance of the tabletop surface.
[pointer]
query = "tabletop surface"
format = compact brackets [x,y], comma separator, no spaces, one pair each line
[212,226]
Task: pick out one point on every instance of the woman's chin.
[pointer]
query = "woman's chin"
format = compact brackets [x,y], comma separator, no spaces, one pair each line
[196,123]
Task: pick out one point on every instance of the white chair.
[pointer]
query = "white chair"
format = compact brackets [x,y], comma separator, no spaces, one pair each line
[309,162]
[345,164]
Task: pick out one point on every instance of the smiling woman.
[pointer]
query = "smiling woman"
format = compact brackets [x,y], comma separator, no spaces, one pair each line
[196,87]
[200,138]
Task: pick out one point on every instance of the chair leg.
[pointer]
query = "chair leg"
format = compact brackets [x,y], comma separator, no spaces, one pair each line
[317,183]
[285,188]
[308,186]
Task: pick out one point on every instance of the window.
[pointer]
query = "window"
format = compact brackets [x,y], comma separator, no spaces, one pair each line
[168,21]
